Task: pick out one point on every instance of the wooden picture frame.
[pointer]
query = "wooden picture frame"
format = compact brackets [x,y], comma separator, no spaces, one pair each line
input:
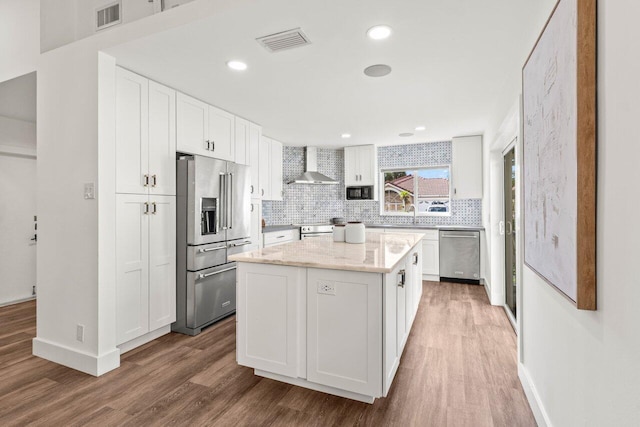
[559,139]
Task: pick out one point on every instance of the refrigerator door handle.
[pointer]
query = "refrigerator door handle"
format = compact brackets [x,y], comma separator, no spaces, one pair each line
[223,195]
[230,202]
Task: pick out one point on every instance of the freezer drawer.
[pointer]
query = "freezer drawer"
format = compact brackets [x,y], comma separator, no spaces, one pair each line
[460,254]
[211,294]
[203,256]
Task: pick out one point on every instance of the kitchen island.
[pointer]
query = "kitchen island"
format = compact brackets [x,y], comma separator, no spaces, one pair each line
[329,316]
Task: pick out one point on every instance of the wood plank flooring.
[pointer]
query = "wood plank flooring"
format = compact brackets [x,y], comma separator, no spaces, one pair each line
[458,369]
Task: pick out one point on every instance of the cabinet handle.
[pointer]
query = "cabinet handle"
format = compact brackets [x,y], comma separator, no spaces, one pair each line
[155,180]
[213,146]
[155,208]
[208,145]
[146,208]
[146,180]
[415,258]
[252,189]
[360,178]
[252,207]
[262,190]
[356,177]
[401,275]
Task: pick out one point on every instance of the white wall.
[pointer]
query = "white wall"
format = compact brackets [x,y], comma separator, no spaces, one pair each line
[17,208]
[584,365]
[19,37]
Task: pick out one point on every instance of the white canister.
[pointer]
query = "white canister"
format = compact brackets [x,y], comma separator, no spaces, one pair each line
[354,232]
[338,233]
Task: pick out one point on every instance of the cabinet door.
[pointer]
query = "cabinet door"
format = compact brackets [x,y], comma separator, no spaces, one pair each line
[256,224]
[350,166]
[367,165]
[162,139]
[132,267]
[162,261]
[466,168]
[192,125]
[417,284]
[431,257]
[255,134]
[276,170]
[242,141]
[265,168]
[221,134]
[271,317]
[401,308]
[132,137]
[344,330]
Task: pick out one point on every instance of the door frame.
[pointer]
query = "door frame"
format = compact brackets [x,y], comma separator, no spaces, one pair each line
[513,145]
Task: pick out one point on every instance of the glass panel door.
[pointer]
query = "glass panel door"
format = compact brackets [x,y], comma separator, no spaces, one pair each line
[510,231]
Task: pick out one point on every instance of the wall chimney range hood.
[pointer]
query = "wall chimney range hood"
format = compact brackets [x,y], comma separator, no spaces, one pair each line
[311,174]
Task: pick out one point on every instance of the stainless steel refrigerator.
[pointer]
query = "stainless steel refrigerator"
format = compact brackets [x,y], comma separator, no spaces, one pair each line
[213,222]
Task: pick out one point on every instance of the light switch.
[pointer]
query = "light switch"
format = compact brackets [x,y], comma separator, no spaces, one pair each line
[89,190]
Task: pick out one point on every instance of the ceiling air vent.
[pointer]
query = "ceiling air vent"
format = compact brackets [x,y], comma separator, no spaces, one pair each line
[108,16]
[284,40]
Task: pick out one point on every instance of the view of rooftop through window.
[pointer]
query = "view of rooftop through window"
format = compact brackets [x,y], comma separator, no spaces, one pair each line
[425,189]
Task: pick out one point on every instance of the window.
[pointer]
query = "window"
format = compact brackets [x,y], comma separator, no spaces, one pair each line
[425,189]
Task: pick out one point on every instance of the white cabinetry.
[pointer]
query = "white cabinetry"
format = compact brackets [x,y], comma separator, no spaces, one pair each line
[430,258]
[270,169]
[255,135]
[203,129]
[242,141]
[271,316]
[344,330]
[145,264]
[466,167]
[274,238]
[360,165]
[145,136]
[256,224]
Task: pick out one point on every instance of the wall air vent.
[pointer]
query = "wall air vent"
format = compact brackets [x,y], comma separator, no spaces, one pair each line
[108,16]
[284,40]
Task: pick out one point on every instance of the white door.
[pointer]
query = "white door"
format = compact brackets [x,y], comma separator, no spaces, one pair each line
[242,141]
[17,227]
[350,166]
[221,134]
[431,257]
[265,168]
[132,133]
[276,170]
[162,261]
[256,224]
[162,139]
[192,125]
[466,167]
[401,311]
[367,167]
[255,133]
[344,330]
[132,266]
[271,325]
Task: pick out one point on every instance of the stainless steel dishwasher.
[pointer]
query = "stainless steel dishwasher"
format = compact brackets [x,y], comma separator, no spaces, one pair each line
[460,255]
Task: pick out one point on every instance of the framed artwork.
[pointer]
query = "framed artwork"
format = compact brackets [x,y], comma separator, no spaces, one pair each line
[559,138]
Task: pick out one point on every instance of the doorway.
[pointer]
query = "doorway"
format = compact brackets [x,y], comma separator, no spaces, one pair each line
[510,259]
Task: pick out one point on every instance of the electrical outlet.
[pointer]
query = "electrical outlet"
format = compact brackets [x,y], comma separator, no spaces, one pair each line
[80,333]
[326,287]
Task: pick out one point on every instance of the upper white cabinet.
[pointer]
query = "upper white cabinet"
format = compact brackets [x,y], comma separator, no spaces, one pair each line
[242,141]
[145,136]
[203,129]
[466,167]
[270,169]
[360,165]
[255,135]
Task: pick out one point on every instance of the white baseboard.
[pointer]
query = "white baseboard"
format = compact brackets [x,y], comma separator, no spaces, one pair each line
[300,382]
[430,278]
[75,359]
[540,414]
[18,301]
[487,288]
[142,340]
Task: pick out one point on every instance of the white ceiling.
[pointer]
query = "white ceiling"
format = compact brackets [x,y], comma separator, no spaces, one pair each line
[18,98]
[450,60]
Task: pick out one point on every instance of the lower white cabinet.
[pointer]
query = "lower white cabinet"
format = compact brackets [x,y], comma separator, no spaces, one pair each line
[344,330]
[274,238]
[430,262]
[145,264]
[271,316]
[256,225]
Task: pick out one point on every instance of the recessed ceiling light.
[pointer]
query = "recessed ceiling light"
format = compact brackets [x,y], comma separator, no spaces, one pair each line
[405,134]
[237,65]
[379,32]
[378,70]
[346,135]
[419,128]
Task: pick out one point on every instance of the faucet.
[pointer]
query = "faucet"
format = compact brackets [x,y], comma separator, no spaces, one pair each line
[415,212]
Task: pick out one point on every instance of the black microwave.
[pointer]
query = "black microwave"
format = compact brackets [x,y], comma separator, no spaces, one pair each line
[360,193]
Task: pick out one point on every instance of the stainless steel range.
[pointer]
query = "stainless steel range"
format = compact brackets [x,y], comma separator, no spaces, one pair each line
[308,231]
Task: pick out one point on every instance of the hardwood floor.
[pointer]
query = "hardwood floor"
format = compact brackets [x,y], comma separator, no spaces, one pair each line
[458,369]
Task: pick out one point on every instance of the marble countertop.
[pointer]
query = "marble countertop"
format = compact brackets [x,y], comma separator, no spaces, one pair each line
[379,254]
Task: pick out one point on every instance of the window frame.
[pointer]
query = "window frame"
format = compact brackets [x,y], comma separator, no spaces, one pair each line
[382,171]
